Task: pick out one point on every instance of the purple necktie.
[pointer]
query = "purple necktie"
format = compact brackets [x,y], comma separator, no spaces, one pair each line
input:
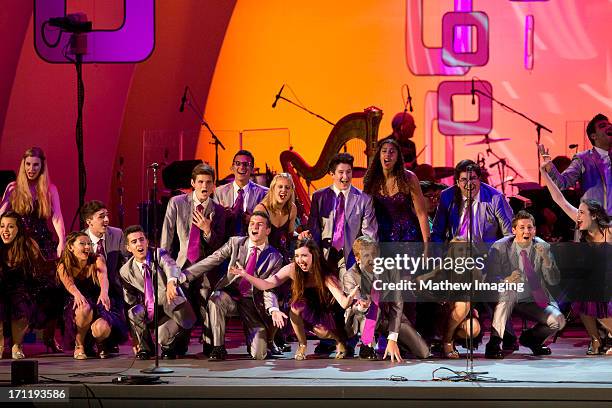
[463,229]
[534,282]
[100,248]
[367,336]
[237,210]
[245,285]
[338,238]
[148,292]
[193,248]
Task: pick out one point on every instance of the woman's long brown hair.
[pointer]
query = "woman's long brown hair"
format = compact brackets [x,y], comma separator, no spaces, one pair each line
[374,180]
[317,272]
[71,264]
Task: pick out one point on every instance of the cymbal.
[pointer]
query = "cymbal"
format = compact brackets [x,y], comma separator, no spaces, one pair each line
[488,140]
[443,172]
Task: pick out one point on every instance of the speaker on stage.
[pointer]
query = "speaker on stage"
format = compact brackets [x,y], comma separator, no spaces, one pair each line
[24,372]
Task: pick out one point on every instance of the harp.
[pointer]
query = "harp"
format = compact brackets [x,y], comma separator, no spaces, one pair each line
[358,125]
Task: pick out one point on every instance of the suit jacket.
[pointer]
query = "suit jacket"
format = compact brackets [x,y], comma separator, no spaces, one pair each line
[494,216]
[390,311]
[116,254]
[224,195]
[236,250]
[178,220]
[503,258]
[588,168]
[359,219]
[133,281]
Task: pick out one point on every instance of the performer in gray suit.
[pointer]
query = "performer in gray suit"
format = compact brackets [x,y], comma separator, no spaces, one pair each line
[592,168]
[527,259]
[176,316]
[236,296]
[199,223]
[339,214]
[368,314]
[106,241]
[241,196]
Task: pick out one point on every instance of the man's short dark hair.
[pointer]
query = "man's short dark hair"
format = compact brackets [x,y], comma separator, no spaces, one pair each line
[340,158]
[463,165]
[263,215]
[522,215]
[202,169]
[244,153]
[427,186]
[130,230]
[591,129]
[90,208]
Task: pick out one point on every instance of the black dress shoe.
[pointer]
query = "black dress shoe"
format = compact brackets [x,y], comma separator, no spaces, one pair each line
[367,353]
[493,349]
[286,347]
[206,349]
[218,353]
[537,348]
[275,350]
[142,355]
[167,354]
[114,349]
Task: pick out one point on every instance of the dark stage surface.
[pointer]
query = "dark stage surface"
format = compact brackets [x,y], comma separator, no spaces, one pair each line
[568,378]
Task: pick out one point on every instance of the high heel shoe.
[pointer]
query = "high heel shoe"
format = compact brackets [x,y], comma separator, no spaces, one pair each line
[17,352]
[340,351]
[450,351]
[300,353]
[79,353]
[594,347]
[52,346]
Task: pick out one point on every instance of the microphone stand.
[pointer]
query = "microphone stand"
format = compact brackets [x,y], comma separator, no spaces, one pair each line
[156,369]
[305,109]
[216,141]
[470,375]
[538,125]
[501,165]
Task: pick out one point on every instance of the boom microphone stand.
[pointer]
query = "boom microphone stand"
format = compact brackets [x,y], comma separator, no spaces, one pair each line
[196,111]
[538,125]
[156,369]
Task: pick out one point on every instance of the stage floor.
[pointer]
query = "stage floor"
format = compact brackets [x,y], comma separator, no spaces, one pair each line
[565,379]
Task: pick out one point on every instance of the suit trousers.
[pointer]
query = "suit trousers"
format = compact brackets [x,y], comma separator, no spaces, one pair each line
[170,327]
[408,337]
[548,320]
[221,305]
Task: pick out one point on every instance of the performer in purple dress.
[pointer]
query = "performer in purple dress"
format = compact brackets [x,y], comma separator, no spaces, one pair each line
[398,201]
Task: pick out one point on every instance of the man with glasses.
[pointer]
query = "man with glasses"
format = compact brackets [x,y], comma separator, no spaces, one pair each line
[491,213]
[241,196]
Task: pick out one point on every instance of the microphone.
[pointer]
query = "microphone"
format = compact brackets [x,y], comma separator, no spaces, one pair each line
[573,146]
[183,100]
[277,97]
[470,167]
[153,166]
[473,93]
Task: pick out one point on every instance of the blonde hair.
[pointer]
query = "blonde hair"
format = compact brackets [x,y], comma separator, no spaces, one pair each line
[364,242]
[269,202]
[21,197]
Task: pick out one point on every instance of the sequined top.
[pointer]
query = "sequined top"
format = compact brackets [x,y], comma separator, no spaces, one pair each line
[397,221]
